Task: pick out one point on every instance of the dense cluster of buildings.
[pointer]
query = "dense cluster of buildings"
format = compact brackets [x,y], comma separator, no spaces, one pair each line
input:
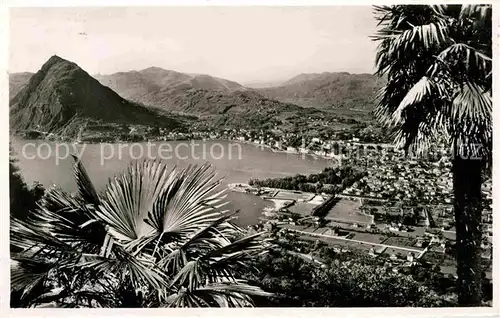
[393,177]
[424,185]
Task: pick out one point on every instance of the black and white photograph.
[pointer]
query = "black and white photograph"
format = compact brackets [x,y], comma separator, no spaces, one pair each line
[250,156]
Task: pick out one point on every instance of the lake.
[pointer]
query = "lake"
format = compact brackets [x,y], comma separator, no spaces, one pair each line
[49,163]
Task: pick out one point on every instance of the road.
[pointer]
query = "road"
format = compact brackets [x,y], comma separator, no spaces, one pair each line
[417,251]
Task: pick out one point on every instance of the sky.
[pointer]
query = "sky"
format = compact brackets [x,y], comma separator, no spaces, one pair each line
[244,44]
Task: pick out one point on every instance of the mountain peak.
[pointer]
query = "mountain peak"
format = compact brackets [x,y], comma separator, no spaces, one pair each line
[56,60]
[155,69]
[61,95]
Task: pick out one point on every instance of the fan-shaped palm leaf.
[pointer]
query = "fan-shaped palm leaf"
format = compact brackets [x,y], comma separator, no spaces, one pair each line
[480,12]
[230,294]
[472,104]
[130,197]
[162,232]
[190,206]
[26,273]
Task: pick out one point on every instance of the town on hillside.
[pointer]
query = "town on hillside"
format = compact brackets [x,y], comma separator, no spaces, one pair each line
[396,209]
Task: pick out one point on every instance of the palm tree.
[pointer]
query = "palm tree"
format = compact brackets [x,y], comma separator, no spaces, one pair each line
[155,237]
[437,61]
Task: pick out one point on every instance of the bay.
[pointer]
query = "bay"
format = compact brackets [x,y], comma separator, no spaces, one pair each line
[50,163]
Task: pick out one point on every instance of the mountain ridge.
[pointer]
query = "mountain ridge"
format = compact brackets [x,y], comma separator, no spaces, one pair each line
[328,90]
[61,95]
[325,91]
[135,84]
[147,95]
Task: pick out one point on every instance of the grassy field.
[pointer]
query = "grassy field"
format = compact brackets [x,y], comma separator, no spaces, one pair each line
[368,237]
[400,241]
[293,195]
[348,210]
[302,208]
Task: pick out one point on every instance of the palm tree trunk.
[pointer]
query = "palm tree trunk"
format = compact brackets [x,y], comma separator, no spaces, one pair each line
[468,211]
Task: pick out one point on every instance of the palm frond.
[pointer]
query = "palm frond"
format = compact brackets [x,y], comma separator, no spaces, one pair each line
[250,243]
[212,227]
[130,197]
[26,273]
[126,267]
[95,246]
[480,12]
[424,88]
[190,275]
[417,135]
[189,205]
[471,111]
[240,287]
[184,298]
[75,227]
[428,35]
[474,104]
[56,200]
[28,235]
[229,294]
[218,262]
[474,62]
[439,9]
[86,189]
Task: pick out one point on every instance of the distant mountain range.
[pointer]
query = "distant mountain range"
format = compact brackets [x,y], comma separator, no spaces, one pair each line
[162,88]
[180,92]
[143,86]
[325,91]
[328,91]
[61,98]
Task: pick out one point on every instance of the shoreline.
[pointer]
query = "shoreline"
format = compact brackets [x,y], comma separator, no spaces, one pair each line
[79,142]
[286,151]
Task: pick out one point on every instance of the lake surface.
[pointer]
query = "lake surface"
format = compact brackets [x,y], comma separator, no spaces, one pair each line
[49,163]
